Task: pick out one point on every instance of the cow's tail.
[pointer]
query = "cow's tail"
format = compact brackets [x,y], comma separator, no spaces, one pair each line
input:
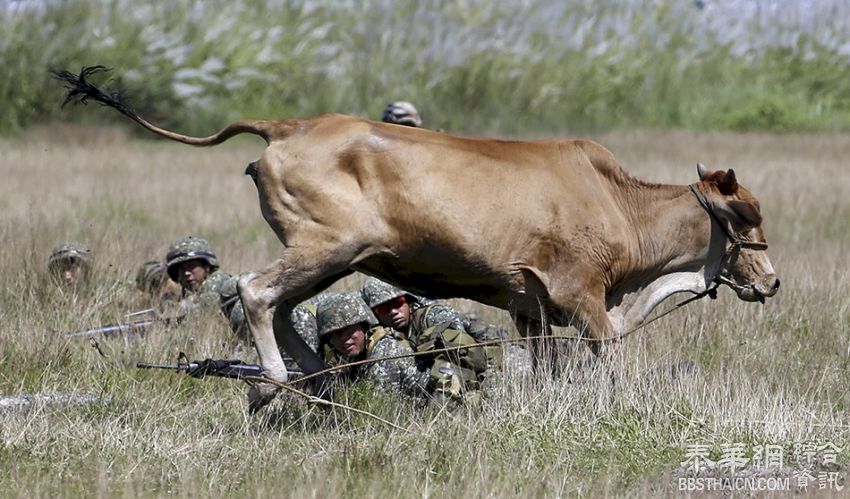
[81,90]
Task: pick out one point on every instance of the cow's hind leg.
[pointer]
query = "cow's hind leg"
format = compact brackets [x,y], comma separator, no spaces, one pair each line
[298,274]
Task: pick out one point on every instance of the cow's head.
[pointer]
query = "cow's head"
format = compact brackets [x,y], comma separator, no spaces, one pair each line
[746,267]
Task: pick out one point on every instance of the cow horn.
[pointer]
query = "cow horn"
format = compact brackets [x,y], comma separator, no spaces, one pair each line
[730,176]
[702,171]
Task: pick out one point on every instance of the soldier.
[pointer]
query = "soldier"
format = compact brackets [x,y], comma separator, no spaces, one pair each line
[231,306]
[349,332]
[155,288]
[406,312]
[303,317]
[432,325]
[192,263]
[70,264]
[402,113]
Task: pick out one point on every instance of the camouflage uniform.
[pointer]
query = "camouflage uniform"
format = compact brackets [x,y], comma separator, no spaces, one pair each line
[402,113]
[303,317]
[150,276]
[398,375]
[207,295]
[435,325]
[70,253]
[231,306]
[155,287]
[423,313]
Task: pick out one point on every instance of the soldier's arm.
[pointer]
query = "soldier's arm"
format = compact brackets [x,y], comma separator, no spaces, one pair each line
[304,323]
[399,375]
[209,294]
[207,298]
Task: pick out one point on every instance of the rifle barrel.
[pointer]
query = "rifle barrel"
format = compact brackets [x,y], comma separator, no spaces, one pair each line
[112,329]
[140,312]
[143,365]
[197,369]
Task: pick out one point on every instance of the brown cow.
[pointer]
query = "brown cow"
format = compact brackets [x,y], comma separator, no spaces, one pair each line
[554,231]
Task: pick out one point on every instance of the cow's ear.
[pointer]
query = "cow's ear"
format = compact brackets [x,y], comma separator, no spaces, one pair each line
[702,171]
[728,183]
[742,214]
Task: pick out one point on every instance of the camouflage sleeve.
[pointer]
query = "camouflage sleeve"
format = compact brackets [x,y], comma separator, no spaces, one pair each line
[482,331]
[304,323]
[210,291]
[439,313]
[208,296]
[238,323]
[228,294]
[399,375]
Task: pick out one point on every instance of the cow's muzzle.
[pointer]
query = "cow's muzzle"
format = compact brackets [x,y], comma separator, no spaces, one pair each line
[757,291]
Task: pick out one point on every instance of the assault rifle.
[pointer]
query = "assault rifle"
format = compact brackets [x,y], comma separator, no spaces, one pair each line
[223,368]
[136,326]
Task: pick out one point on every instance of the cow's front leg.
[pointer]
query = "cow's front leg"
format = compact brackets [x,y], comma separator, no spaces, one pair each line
[586,311]
[597,329]
[592,320]
[543,351]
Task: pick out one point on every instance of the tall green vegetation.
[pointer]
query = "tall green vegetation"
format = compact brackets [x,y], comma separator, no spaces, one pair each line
[478,65]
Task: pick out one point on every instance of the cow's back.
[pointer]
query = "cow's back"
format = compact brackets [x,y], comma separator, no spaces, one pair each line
[493,195]
[443,210]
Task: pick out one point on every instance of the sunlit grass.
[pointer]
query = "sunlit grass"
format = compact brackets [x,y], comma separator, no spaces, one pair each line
[772,374]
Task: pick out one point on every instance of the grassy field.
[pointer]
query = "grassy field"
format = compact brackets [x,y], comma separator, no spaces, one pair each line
[773,374]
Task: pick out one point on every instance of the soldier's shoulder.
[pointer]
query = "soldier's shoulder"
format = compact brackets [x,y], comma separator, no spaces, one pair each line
[391,344]
[229,285]
[437,313]
[214,282]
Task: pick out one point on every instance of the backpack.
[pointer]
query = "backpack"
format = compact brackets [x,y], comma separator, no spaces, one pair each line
[451,373]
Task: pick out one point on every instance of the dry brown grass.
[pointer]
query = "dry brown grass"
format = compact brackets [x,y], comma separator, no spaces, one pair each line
[766,374]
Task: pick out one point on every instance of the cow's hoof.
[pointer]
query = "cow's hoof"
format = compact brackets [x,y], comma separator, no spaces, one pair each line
[259,395]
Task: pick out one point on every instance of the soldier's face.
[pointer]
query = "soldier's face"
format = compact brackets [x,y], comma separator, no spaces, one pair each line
[69,272]
[349,341]
[394,313]
[192,274]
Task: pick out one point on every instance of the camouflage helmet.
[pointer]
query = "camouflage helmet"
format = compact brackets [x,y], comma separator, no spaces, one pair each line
[376,291]
[401,113]
[189,248]
[69,251]
[150,276]
[342,310]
